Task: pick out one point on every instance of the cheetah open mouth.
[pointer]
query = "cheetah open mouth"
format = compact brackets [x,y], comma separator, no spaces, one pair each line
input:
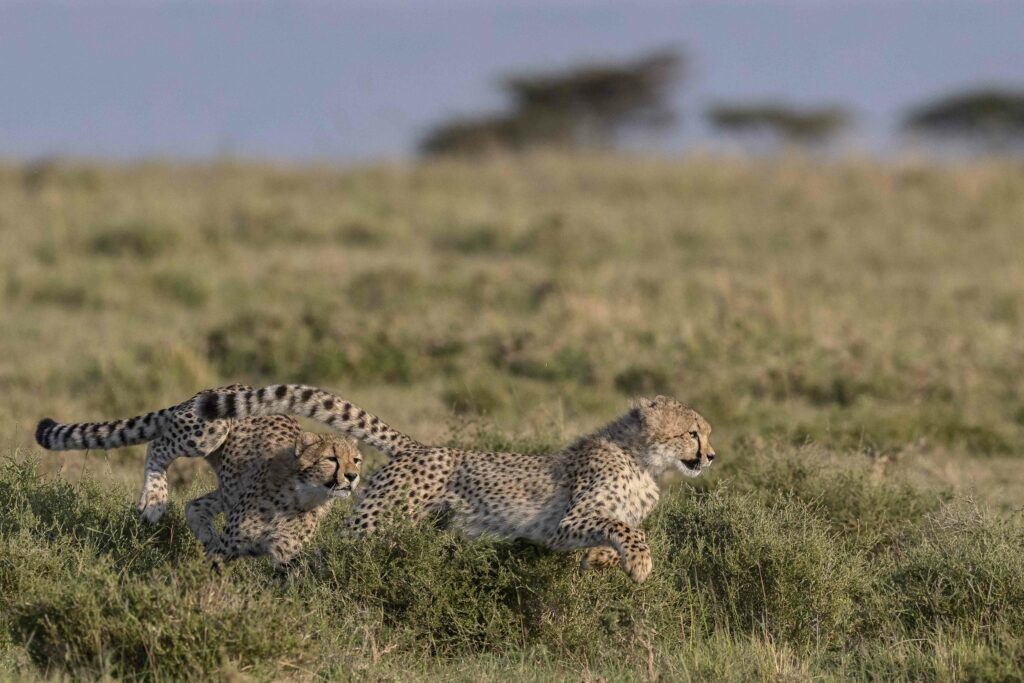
[690,468]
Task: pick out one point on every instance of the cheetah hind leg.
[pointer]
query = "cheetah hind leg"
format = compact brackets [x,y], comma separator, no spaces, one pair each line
[152,503]
[600,557]
[200,515]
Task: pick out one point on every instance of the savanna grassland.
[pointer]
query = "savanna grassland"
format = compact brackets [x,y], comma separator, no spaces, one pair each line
[854,331]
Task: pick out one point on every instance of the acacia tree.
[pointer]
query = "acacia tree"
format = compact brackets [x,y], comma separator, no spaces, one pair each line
[782,123]
[586,106]
[990,118]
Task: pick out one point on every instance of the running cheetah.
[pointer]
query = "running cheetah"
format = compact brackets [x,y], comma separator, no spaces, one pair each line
[594,494]
[276,482]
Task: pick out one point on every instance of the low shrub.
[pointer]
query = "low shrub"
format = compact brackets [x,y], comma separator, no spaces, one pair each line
[137,240]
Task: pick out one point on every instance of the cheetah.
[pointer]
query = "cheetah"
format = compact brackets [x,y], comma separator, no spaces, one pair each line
[593,494]
[276,482]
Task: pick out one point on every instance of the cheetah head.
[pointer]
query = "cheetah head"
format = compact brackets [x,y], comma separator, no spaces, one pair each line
[674,436]
[328,465]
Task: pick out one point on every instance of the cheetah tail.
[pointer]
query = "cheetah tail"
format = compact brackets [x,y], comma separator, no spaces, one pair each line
[59,436]
[310,402]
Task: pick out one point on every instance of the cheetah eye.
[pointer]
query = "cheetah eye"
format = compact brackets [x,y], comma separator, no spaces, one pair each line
[693,434]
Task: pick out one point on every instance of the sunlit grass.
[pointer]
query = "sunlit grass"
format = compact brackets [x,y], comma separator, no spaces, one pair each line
[852,330]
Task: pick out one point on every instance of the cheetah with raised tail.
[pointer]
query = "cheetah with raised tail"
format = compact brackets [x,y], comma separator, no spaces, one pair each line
[594,494]
[276,482]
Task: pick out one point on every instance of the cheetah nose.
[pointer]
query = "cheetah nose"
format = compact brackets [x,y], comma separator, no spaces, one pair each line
[351,476]
[711,456]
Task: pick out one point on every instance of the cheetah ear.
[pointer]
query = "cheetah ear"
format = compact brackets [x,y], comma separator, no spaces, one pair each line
[305,440]
[639,404]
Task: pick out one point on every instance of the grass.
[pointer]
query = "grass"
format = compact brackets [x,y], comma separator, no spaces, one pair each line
[852,330]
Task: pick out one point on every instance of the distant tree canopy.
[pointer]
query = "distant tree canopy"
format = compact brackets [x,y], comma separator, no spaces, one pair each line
[789,124]
[991,116]
[586,106]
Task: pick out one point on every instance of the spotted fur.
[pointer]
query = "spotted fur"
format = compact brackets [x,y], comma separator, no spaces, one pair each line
[594,494]
[276,481]
[276,484]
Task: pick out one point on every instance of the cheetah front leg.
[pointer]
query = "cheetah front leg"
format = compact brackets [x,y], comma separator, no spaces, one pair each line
[200,515]
[288,539]
[601,557]
[176,443]
[242,528]
[580,529]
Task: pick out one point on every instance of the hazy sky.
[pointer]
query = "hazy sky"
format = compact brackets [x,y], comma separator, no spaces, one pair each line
[358,80]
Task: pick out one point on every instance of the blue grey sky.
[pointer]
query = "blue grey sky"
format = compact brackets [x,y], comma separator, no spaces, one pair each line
[352,81]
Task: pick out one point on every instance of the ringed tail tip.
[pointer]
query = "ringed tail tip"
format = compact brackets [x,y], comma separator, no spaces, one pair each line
[44,426]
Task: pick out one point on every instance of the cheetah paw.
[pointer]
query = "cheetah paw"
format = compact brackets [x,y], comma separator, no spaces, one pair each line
[151,508]
[636,561]
[601,557]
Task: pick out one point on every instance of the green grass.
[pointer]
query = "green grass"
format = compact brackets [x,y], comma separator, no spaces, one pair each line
[852,331]
[751,563]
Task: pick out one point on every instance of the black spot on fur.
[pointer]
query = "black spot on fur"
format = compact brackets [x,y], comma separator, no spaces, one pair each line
[307,394]
[280,391]
[328,404]
[44,426]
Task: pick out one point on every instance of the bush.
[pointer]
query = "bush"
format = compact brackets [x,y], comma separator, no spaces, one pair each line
[521,359]
[308,348]
[265,346]
[138,240]
[638,380]
[964,570]
[746,583]
[852,495]
[775,569]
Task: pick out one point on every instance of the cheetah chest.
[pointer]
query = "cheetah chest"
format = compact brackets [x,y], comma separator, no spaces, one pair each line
[631,498]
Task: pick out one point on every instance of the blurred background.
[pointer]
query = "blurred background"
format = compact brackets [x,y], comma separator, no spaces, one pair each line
[351,81]
[494,224]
